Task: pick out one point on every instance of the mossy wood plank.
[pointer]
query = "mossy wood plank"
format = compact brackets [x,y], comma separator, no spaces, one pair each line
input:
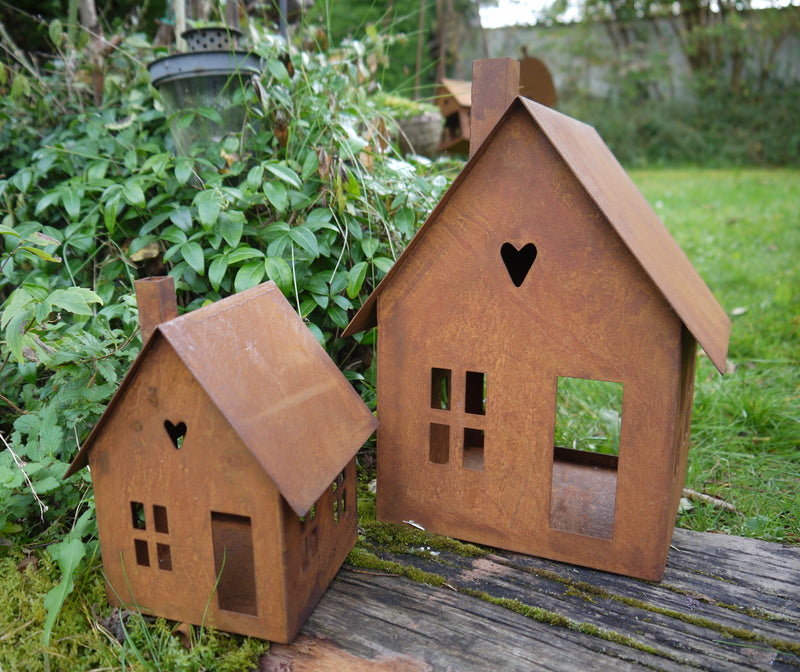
[451,631]
[726,603]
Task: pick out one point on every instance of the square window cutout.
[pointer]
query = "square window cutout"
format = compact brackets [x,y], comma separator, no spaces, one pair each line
[588,415]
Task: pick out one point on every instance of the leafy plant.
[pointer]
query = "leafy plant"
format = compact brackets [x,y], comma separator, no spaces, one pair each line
[312,195]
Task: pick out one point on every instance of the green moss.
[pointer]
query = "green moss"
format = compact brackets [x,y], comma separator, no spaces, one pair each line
[585,590]
[78,643]
[401,538]
[559,620]
[365,559]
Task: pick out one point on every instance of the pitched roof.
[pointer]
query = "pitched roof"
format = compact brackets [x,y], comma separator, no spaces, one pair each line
[269,377]
[628,212]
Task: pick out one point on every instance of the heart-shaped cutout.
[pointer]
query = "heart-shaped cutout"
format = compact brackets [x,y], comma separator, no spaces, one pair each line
[176,433]
[518,262]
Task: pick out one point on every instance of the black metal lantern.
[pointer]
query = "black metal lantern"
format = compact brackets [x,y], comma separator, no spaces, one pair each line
[212,74]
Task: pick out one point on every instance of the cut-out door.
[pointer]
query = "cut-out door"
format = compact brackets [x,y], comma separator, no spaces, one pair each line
[233,562]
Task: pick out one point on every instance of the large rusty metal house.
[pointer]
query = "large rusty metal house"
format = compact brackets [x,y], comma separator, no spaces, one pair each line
[542,264]
[223,467]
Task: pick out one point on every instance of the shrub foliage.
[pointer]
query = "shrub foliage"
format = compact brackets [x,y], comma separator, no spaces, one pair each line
[311,195]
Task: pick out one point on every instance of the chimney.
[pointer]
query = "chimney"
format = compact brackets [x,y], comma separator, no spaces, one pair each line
[495,84]
[157,303]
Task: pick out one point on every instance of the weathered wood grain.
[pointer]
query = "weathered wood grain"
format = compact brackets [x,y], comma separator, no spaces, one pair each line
[726,603]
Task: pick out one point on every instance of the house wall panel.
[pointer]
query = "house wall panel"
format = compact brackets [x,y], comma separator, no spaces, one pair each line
[585,309]
[210,472]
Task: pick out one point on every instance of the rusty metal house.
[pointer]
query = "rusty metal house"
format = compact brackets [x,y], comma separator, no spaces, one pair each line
[542,264]
[224,466]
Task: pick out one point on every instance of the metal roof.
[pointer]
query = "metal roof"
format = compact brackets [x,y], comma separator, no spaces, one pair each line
[627,211]
[278,389]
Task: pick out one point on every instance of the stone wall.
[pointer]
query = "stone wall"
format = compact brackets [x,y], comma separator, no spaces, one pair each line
[600,58]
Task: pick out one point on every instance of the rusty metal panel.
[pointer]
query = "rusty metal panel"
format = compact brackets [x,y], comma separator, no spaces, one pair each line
[277,387]
[196,521]
[155,299]
[593,164]
[541,261]
[495,85]
[607,183]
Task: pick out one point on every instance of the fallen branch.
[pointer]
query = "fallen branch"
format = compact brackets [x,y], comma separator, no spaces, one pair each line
[694,496]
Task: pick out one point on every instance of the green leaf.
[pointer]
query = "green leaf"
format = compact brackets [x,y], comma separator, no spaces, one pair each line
[193,255]
[208,204]
[242,253]
[45,485]
[276,195]
[183,170]
[216,271]
[181,217]
[383,264]
[68,554]
[56,33]
[338,316]
[20,299]
[284,173]
[211,114]
[369,246]
[342,301]
[132,193]
[279,272]
[249,276]
[355,278]
[41,253]
[320,218]
[314,329]
[72,202]
[231,226]
[75,300]
[322,300]
[310,164]
[15,338]
[46,201]
[278,71]
[255,176]
[97,170]
[305,239]
[131,159]
[404,221]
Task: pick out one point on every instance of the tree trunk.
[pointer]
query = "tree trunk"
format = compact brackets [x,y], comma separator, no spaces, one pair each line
[89,22]
[420,43]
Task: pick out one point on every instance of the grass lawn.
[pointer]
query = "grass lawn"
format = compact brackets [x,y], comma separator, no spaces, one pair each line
[741,229]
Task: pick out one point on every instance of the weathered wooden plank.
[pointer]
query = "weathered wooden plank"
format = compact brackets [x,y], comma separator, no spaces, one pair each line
[726,603]
[376,617]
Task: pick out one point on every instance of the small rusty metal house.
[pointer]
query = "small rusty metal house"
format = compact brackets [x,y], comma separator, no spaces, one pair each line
[541,264]
[224,468]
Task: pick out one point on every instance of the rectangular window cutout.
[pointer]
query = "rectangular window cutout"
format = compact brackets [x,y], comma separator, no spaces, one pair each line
[473,449]
[335,511]
[439,443]
[475,393]
[586,457]
[164,557]
[234,562]
[440,389]
[142,555]
[160,519]
[137,516]
[588,415]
